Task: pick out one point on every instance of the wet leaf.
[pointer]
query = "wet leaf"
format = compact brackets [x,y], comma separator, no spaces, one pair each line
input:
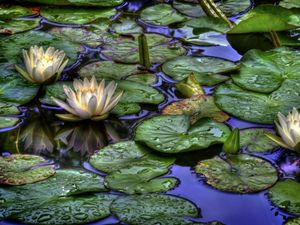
[266,18]
[266,71]
[199,106]
[24,169]
[154,209]
[239,173]
[125,49]
[8,121]
[173,134]
[255,140]
[290,4]
[69,210]
[127,26]
[161,14]
[133,168]
[18,25]
[285,195]
[207,70]
[64,183]
[295,221]
[92,3]
[76,15]
[8,12]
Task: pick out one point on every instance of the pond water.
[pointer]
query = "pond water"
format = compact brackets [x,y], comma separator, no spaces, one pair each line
[214,205]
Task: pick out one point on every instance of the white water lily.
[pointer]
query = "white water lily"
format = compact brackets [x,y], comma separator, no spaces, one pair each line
[289,129]
[89,100]
[42,66]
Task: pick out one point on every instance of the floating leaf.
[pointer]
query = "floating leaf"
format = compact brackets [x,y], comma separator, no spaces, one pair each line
[93,3]
[18,25]
[207,70]
[161,14]
[64,183]
[285,195]
[76,16]
[258,107]
[173,134]
[266,18]
[255,140]
[24,169]
[8,121]
[154,209]
[127,26]
[11,47]
[239,173]
[125,49]
[266,71]
[295,221]
[132,168]
[199,106]
[8,12]
[69,210]
[290,4]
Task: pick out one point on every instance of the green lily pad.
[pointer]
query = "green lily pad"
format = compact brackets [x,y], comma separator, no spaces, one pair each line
[239,173]
[173,134]
[285,195]
[290,4]
[18,25]
[8,12]
[64,183]
[76,16]
[266,18]
[266,71]
[69,210]
[161,14]
[147,78]
[199,106]
[24,169]
[125,49]
[154,209]
[258,107]
[207,70]
[255,140]
[11,47]
[295,221]
[8,121]
[133,168]
[127,26]
[228,7]
[109,70]
[102,3]
[91,35]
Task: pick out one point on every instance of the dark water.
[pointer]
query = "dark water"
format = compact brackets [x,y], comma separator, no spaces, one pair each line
[230,209]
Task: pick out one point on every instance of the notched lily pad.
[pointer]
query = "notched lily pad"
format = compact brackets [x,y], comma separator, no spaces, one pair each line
[8,121]
[93,3]
[199,106]
[8,12]
[238,173]
[133,168]
[255,140]
[18,25]
[161,14]
[154,209]
[208,70]
[173,134]
[76,16]
[24,169]
[285,195]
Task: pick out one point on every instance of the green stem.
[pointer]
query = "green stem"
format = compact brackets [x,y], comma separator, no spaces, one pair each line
[144,51]
[275,39]
[212,10]
[232,144]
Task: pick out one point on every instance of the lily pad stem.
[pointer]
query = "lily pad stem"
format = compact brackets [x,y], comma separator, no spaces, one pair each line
[144,51]
[275,39]
[232,144]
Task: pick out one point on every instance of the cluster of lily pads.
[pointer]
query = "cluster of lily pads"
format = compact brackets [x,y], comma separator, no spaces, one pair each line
[38,66]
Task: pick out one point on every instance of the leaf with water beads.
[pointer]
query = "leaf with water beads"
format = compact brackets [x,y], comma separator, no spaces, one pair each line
[173,134]
[154,209]
[133,168]
[24,169]
[238,173]
[285,195]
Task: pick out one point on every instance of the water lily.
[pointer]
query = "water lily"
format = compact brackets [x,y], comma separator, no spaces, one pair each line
[289,129]
[88,100]
[42,66]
